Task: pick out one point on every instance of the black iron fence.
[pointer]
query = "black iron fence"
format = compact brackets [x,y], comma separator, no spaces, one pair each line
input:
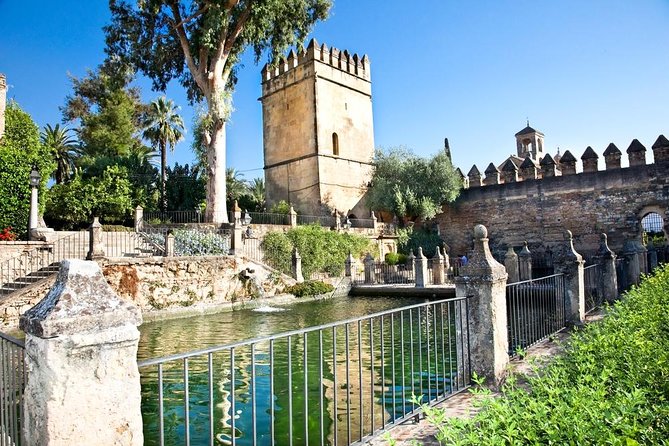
[594,298]
[535,309]
[382,273]
[12,382]
[335,384]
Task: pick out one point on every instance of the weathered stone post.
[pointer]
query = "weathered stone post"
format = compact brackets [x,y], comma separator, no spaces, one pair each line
[411,262]
[169,244]
[608,279]
[525,263]
[420,269]
[369,269]
[447,264]
[237,230]
[374,221]
[570,264]
[642,254]
[96,248]
[631,262]
[293,217]
[652,256]
[483,281]
[81,355]
[337,221]
[296,266]
[139,218]
[437,268]
[349,264]
[511,265]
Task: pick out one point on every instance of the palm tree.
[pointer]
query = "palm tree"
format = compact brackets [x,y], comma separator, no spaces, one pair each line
[257,192]
[235,185]
[64,148]
[163,127]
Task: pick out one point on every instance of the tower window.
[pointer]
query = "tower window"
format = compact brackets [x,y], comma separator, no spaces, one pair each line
[335,144]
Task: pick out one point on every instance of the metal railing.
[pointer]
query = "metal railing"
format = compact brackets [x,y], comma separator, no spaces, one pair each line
[362,223]
[382,273]
[594,297]
[12,380]
[265,218]
[535,309]
[335,384]
[189,241]
[324,220]
[39,263]
[173,217]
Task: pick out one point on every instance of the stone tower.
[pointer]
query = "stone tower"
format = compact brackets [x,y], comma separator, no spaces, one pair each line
[3,103]
[318,135]
[530,142]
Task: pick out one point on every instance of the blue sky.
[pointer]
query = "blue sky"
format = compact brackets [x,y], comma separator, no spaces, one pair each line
[583,72]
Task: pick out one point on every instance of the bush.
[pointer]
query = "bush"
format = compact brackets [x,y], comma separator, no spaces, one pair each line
[189,242]
[322,250]
[309,288]
[611,387]
[409,240]
[393,258]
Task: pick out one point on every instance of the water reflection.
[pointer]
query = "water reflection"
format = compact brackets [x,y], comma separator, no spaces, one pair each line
[331,386]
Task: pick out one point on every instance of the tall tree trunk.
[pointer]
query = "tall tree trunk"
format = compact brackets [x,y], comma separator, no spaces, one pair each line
[163,176]
[216,193]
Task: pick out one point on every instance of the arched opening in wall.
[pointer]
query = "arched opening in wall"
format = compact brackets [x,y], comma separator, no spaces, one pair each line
[335,144]
[655,238]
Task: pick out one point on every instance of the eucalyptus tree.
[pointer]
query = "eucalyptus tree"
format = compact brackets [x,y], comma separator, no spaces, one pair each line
[64,149]
[164,127]
[200,42]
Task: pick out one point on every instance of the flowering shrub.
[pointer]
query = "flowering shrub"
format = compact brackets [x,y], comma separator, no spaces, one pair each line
[7,235]
[189,242]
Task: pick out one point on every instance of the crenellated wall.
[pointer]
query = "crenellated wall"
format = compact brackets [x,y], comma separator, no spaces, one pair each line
[540,202]
[3,103]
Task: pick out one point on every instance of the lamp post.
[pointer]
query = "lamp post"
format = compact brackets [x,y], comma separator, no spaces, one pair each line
[34,184]
[247,219]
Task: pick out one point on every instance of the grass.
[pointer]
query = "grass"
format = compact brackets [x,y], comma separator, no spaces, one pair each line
[611,387]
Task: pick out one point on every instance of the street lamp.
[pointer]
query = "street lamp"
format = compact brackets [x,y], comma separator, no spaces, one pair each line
[247,218]
[34,177]
[34,184]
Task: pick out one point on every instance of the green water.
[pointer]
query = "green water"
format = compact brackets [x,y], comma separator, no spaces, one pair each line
[322,396]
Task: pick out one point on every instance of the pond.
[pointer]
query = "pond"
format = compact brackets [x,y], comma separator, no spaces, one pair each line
[330,386]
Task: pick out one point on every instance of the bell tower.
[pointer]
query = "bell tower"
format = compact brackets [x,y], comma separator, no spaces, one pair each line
[530,142]
[318,135]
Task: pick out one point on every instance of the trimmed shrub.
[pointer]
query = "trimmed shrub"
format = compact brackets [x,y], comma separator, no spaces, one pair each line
[610,387]
[309,288]
[393,258]
[409,240]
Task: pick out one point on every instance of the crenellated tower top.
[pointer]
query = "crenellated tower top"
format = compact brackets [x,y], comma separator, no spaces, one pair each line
[3,103]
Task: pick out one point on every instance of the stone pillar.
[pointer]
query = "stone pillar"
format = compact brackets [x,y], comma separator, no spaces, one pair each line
[337,221]
[483,282]
[525,263]
[420,263]
[570,264]
[652,256]
[411,262]
[374,221]
[511,265]
[608,279]
[296,266]
[293,217]
[447,263]
[369,269]
[437,268]
[349,264]
[139,218]
[642,254]
[237,230]
[169,244]
[81,355]
[96,249]
[633,271]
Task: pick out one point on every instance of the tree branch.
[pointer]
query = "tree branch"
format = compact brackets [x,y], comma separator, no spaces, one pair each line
[185,46]
[196,14]
[227,39]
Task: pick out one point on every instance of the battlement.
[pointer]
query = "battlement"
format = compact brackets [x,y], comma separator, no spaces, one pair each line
[512,172]
[3,81]
[333,57]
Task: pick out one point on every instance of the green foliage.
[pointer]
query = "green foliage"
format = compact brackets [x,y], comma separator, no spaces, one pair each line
[191,242]
[322,250]
[410,239]
[20,150]
[108,196]
[393,258]
[282,207]
[185,188]
[64,149]
[309,288]
[412,187]
[611,387]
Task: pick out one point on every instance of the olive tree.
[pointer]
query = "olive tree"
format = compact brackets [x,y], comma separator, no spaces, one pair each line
[200,42]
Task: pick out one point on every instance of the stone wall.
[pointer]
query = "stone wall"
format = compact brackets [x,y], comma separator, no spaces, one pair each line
[538,210]
[9,250]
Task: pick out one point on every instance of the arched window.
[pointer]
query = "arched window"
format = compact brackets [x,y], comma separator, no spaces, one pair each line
[335,144]
[653,227]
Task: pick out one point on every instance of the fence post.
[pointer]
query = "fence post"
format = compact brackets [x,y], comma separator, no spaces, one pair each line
[374,221]
[447,264]
[652,256]
[632,262]
[369,269]
[83,383]
[293,217]
[348,264]
[96,249]
[608,278]
[169,244]
[525,263]
[570,263]
[139,218]
[483,282]
[420,269]
[337,221]
[237,232]
[437,268]
[511,265]
[642,254]
[296,266]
